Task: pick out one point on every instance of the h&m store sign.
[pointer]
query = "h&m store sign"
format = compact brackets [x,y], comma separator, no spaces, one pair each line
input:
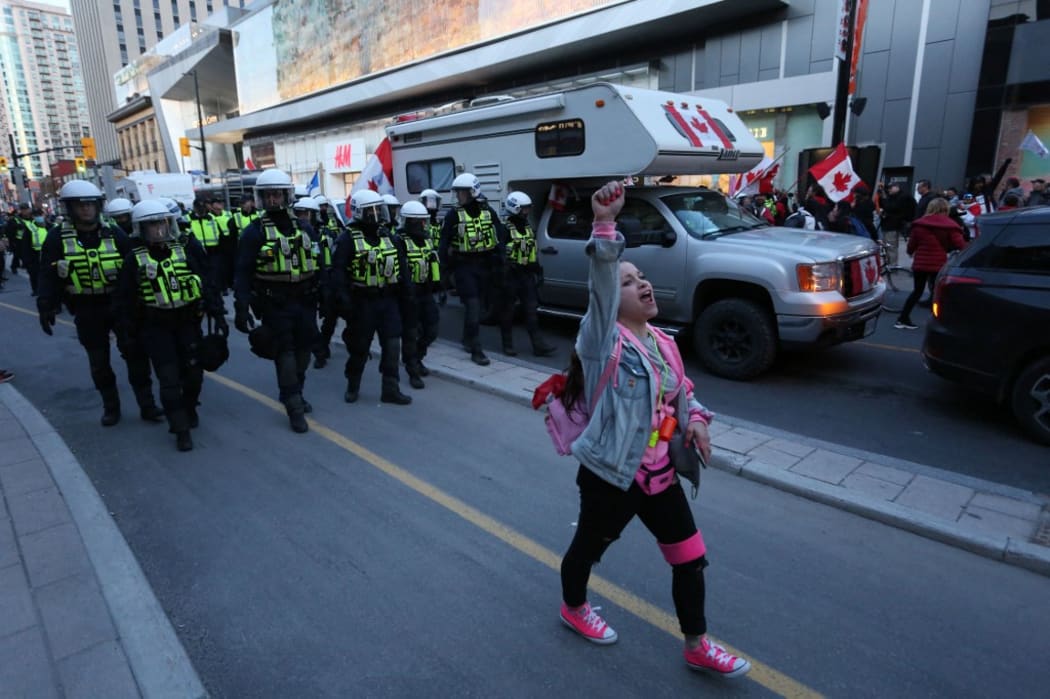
[344,156]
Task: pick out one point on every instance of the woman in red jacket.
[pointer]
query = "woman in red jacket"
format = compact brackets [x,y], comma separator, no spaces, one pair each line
[932,237]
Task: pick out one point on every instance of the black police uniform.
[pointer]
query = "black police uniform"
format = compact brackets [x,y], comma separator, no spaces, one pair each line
[276,275]
[326,235]
[217,243]
[521,275]
[80,269]
[368,276]
[162,292]
[473,257]
[420,317]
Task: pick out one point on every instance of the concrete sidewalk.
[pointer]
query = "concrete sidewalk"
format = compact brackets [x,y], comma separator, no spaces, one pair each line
[77,617]
[989,519]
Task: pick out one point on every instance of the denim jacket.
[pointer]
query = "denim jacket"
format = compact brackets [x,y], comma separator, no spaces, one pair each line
[612,444]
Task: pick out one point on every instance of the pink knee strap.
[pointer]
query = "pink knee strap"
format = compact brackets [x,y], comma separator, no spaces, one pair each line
[684,551]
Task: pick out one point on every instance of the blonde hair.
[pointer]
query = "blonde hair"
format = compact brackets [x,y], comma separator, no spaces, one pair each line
[937,206]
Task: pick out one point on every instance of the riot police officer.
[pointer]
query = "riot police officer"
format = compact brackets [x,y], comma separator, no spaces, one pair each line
[393,209]
[162,293]
[327,230]
[432,201]
[276,277]
[32,231]
[80,262]
[368,274]
[419,311]
[520,277]
[470,246]
[118,211]
[241,217]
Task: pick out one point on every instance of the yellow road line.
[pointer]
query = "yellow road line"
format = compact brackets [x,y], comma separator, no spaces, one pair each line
[764,675]
[893,348]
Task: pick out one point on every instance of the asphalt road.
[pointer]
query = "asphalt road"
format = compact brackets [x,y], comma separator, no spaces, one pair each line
[409,551]
[873,394]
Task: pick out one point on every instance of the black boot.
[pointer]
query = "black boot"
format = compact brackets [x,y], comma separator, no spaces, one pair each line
[478,357]
[508,343]
[307,408]
[296,409]
[423,371]
[392,392]
[540,348]
[183,441]
[320,362]
[110,407]
[195,419]
[148,409]
[353,389]
[415,375]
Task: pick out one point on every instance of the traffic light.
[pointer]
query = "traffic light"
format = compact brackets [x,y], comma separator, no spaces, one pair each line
[81,164]
[3,163]
[184,146]
[88,146]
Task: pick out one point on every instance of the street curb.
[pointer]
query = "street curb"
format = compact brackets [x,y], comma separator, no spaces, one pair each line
[1015,552]
[156,656]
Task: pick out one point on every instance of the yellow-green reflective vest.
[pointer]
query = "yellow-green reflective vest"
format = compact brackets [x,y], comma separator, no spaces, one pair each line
[167,284]
[323,248]
[434,231]
[37,234]
[373,266]
[89,271]
[521,247]
[422,261]
[285,259]
[476,234]
[332,226]
[206,230]
[243,220]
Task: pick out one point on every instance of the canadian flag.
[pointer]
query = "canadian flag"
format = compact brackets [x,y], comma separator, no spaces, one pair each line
[378,174]
[758,179]
[835,174]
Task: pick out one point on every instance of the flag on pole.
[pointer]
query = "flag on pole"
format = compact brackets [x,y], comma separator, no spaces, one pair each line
[835,174]
[1032,144]
[758,179]
[315,183]
[378,174]
[858,39]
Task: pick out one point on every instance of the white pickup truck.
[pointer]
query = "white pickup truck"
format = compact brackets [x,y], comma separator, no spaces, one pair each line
[744,289]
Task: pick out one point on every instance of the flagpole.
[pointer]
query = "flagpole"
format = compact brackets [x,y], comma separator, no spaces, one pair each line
[838,123]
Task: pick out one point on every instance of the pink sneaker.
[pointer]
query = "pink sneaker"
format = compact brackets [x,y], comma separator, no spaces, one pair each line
[713,658]
[586,622]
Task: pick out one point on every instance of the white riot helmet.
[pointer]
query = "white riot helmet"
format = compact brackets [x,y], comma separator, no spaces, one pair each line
[431,199]
[366,205]
[118,207]
[515,202]
[79,192]
[153,223]
[468,182]
[322,200]
[306,204]
[393,206]
[269,181]
[301,190]
[414,210]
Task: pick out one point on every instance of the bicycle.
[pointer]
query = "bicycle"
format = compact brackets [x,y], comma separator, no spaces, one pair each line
[898,279]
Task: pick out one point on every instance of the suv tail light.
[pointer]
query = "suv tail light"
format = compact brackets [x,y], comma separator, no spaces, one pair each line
[947,279]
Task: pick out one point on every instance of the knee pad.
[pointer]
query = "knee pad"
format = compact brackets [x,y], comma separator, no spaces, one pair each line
[686,551]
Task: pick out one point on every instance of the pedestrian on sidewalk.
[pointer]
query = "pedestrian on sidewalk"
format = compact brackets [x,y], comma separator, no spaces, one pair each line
[932,237]
[624,465]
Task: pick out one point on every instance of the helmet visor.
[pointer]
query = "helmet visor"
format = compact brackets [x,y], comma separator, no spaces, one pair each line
[273,198]
[155,230]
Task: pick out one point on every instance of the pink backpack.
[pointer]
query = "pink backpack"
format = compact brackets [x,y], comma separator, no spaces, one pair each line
[565,426]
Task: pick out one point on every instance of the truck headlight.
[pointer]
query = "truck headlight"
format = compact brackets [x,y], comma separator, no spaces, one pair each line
[822,276]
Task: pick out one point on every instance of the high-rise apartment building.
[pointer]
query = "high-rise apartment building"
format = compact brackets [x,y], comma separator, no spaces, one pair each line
[113,33]
[42,97]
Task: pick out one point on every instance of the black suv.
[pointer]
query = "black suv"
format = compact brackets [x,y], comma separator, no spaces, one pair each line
[991,316]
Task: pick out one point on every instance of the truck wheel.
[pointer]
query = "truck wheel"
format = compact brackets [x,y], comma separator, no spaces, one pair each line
[735,338]
[1031,399]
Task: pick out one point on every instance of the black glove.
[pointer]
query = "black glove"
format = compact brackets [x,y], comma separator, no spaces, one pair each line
[47,321]
[242,318]
[220,324]
[47,317]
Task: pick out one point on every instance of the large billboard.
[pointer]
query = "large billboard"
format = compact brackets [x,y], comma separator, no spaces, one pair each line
[321,43]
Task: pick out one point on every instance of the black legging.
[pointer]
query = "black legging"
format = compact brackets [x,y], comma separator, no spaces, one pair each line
[922,280]
[604,512]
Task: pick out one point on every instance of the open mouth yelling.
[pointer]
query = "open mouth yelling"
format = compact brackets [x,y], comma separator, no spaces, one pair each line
[647,297]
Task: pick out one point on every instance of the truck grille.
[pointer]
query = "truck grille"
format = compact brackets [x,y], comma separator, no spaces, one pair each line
[859,275]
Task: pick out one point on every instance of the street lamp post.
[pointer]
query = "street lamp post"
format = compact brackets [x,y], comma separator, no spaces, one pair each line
[200,120]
